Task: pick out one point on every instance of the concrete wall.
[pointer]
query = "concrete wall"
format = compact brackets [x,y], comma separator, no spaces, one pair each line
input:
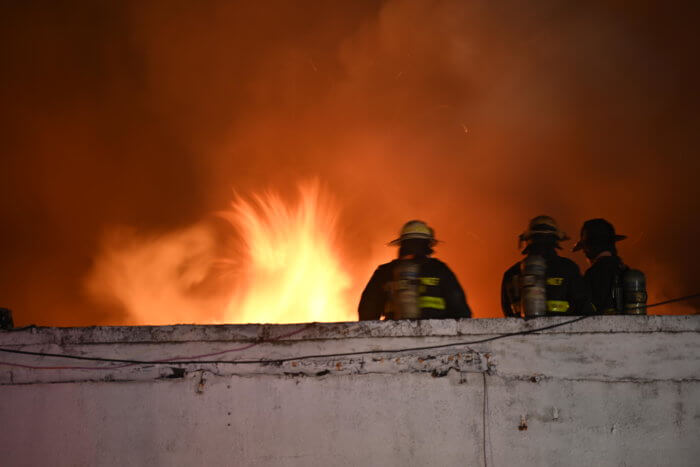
[605,391]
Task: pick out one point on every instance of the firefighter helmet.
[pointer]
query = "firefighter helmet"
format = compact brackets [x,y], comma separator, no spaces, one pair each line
[597,231]
[415,229]
[543,225]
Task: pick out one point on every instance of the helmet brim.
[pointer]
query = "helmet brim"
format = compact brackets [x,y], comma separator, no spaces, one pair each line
[561,236]
[579,244]
[410,236]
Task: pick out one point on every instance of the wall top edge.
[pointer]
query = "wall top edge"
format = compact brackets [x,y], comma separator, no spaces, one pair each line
[364,329]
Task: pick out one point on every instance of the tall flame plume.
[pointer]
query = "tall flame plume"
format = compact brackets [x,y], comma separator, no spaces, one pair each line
[293,269]
[286,267]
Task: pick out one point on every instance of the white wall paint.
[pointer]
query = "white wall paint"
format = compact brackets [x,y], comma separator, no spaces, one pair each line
[606,391]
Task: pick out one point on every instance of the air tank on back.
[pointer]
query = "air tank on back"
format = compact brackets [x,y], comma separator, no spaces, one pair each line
[404,294]
[634,292]
[533,293]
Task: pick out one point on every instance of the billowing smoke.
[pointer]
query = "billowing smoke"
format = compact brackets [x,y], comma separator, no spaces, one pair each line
[129,122]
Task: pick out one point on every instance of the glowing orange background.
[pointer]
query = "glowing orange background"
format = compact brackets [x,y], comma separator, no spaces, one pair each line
[474,116]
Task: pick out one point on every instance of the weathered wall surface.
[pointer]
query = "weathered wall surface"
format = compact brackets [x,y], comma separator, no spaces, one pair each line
[605,391]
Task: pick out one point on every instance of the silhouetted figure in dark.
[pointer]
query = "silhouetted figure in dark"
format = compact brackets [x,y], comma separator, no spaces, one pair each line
[6,319]
[562,290]
[603,278]
[414,286]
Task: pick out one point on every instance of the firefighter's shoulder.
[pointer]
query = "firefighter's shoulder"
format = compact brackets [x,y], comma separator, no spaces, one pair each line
[385,269]
[431,260]
[434,263]
[513,270]
[386,265]
[566,264]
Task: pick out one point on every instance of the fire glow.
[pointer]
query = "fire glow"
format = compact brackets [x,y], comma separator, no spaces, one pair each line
[287,267]
[293,270]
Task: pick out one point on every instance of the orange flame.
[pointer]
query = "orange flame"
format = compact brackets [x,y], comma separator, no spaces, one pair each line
[290,268]
[293,268]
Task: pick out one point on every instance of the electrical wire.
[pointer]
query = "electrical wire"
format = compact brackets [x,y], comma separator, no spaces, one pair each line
[673,300]
[191,360]
[128,363]
[181,361]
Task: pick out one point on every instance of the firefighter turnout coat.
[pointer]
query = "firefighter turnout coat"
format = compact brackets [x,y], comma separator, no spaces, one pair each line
[565,290]
[439,294]
[600,279]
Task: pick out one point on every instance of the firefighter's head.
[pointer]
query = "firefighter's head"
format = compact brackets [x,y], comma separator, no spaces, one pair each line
[597,236]
[542,231]
[416,238]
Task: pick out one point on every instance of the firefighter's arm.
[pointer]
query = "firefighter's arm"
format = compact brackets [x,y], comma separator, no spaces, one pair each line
[505,298]
[455,297]
[578,293]
[600,289]
[373,299]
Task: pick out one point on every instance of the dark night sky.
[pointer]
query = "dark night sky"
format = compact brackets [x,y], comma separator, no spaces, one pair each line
[148,114]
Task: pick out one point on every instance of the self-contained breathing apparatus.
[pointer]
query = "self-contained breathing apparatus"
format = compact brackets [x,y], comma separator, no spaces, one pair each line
[528,291]
[629,291]
[403,291]
[533,292]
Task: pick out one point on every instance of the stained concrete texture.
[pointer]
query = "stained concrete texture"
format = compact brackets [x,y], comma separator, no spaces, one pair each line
[605,391]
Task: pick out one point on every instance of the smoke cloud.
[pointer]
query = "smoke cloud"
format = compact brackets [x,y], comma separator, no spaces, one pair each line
[131,121]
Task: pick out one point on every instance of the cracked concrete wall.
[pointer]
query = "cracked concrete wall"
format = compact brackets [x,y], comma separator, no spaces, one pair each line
[605,391]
